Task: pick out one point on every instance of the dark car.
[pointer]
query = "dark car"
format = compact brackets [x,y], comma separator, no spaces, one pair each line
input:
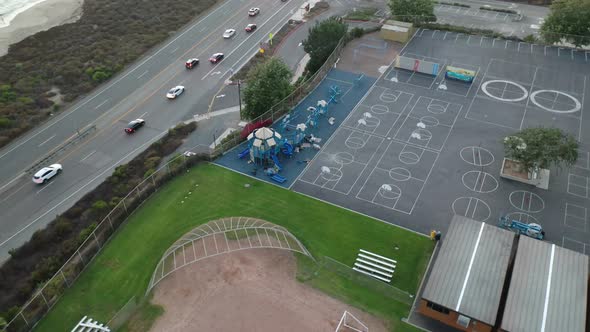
[215,58]
[250,27]
[134,125]
[191,63]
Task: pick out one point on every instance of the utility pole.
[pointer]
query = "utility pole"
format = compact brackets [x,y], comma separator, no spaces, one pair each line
[240,96]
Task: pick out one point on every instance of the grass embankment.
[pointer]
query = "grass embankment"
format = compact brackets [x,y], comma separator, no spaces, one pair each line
[125,266]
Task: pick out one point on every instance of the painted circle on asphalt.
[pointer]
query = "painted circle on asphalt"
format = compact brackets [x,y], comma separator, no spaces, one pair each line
[409,158]
[400,174]
[390,191]
[343,158]
[388,97]
[368,122]
[355,142]
[526,201]
[480,182]
[379,109]
[486,86]
[472,207]
[429,121]
[335,174]
[477,156]
[575,103]
[436,109]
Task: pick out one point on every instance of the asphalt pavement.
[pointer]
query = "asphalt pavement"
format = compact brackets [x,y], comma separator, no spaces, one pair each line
[138,92]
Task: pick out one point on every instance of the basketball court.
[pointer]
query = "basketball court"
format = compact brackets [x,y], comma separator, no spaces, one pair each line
[420,147]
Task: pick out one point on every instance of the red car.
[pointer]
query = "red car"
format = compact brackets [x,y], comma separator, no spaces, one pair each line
[191,63]
[215,58]
[250,27]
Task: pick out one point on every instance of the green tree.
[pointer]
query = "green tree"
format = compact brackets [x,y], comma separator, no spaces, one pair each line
[413,11]
[322,40]
[267,84]
[569,20]
[541,148]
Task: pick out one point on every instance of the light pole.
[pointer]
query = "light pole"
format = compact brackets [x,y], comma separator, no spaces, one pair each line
[240,96]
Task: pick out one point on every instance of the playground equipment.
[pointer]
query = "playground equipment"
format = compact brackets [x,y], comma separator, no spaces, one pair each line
[531,230]
[460,74]
[263,144]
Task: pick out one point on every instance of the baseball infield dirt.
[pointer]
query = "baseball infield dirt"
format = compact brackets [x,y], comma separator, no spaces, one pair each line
[250,290]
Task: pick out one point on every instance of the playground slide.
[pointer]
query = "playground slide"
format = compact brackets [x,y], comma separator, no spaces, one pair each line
[244,153]
[288,149]
[460,74]
[276,161]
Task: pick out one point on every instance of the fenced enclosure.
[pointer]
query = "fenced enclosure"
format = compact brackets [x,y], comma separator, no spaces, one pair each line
[50,292]
[286,105]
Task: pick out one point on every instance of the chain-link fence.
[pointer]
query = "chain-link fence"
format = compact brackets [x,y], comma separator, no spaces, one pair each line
[284,106]
[378,286]
[50,292]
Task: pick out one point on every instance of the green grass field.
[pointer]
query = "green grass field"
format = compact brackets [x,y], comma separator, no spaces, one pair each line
[124,267]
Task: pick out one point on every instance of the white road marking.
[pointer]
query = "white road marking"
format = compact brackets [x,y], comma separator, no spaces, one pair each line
[245,40]
[90,154]
[45,141]
[141,116]
[44,187]
[140,76]
[12,193]
[99,105]
[11,181]
[174,50]
[84,186]
[112,84]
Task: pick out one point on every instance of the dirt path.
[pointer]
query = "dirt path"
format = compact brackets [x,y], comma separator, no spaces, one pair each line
[251,290]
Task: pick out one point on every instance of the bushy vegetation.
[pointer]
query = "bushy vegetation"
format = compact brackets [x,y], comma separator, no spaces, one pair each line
[73,59]
[456,4]
[49,248]
[323,38]
[268,84]
[569,21]
[363,14]
[412,11]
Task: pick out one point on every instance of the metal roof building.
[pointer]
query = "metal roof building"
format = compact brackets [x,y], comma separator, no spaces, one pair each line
[548,290]
[469,273]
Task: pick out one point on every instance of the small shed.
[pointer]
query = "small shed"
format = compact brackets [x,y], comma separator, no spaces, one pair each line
[548,289]
[465,284]
[397,31]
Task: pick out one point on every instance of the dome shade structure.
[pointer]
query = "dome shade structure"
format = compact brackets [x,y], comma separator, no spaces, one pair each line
[264,143]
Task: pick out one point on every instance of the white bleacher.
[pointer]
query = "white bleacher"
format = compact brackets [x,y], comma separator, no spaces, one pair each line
[376,266]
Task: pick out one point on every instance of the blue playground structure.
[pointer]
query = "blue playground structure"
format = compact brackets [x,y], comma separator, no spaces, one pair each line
[531,230]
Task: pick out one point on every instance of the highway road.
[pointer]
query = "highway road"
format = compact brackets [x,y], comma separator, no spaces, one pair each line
[138,92]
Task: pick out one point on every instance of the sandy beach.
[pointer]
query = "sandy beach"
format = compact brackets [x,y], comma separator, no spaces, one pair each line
[43,16]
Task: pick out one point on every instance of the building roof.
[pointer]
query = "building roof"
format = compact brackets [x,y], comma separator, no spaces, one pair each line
[548,289]
[470,269]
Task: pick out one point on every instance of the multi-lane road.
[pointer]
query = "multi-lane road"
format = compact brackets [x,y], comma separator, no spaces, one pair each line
[138,92]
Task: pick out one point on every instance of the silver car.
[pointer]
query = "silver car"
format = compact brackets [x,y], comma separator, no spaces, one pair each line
[46,173]
[175,92]
[229,33]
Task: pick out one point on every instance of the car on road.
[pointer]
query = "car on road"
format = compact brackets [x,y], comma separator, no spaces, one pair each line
[191,63]
[229,33]
[46,173]
[250,27]
[215,58]
[254,11]
[134,125]
[175,92]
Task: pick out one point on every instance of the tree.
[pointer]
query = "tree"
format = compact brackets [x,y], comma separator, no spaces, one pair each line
[413,11]
[569,21]
[267,84]
[322,40]
[541,148]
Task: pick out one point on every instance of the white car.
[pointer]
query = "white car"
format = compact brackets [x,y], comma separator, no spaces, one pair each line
[229,33]
[253,11]
[175,92]
[46,173]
